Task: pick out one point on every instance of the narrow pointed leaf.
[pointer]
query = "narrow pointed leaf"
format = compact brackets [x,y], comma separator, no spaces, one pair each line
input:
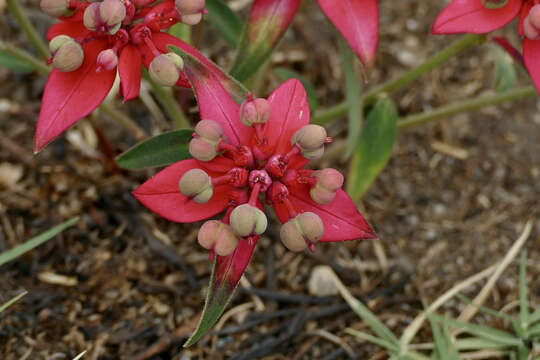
[160,150]
[287,74]
[129,70]
[374,148]
[226,274]
[268,21]
[358,22]
[70,96]
[523,301]
[12,301]
[226,22]
[485,332]
[352,91]
[373,339]
[504,74]
[477,343]
[13,63]
[235,89]
[34,242]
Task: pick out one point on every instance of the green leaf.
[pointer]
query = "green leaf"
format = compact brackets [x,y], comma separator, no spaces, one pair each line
[374,147]
[19,250]
[235,89]
[535,317]
[502,337]
[445,348]
[523,303]
[487,310]
[476,343]
[372,339]
[160,150]
[505,74]
[12,301]
[267,23]
[13,63]
[226,22]
[352,91]
[286,74]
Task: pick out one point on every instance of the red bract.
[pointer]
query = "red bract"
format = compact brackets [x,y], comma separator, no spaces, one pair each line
[356,20]
[129,35]
[255,155]
[483,16]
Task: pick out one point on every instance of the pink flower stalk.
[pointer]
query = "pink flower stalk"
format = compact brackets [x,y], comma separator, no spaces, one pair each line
[244,156]
[94,40]
[484,16]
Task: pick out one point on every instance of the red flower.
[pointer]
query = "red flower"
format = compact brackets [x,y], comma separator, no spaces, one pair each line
[356,20]
[483,16]
[91,43]
[250,153]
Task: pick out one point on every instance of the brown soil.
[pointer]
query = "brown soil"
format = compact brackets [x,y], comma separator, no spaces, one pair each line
[130,280]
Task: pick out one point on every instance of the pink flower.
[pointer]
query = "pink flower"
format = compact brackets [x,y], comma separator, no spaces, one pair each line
[244,155]
[483,16]
[92,42]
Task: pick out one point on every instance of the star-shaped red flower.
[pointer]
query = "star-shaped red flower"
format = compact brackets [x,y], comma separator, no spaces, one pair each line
[484,16]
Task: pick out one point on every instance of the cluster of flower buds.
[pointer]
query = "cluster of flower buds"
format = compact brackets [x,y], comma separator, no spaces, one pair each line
[121,23]
[531,24]
[262,173]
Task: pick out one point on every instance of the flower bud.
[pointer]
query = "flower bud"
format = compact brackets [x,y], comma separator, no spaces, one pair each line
[107,59]
[310,139]
[67,54]
[55,8]
[531,24]
[112,13]
[189,6]
[217,236]
[203,146]
[328,182]
[165,69]
[191,19]
[302,231]
[247,220]
[196,185]
[91,18]
[254,111]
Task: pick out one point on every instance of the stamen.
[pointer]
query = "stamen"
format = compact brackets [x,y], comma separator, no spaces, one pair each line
[254,194]
[294,151]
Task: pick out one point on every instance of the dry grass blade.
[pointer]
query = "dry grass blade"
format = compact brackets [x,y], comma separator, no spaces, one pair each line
[336,340]
[471,309]
[78,357]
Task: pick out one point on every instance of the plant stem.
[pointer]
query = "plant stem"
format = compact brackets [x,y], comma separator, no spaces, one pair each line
[26,57]
[467,105]
[124,121]
[393,85]
[14,7]
[166,99]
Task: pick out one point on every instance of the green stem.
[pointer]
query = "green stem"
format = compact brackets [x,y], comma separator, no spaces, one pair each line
[14,7]
[467,105]
[124,121]
[26,57]
[167,100]
[393,85]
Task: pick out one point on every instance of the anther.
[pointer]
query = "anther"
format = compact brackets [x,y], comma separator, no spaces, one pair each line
[67,54]
[310,139]
[216,236]
[248,220]
[207,141]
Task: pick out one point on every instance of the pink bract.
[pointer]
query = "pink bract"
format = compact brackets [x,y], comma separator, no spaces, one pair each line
[70,96]
[472,16]
[289,192]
